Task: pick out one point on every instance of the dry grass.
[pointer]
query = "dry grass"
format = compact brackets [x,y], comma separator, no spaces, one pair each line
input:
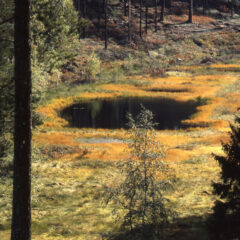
[68,182]
[196,19]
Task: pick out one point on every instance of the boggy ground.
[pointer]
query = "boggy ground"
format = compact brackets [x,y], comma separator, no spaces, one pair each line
[71,166]
[68,180]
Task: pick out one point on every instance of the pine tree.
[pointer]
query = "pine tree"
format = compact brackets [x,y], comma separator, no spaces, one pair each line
[140,18]
[190,11]
[155,15]
[227,208]
[162,10]
[21,217]
[146,16]
[129,20]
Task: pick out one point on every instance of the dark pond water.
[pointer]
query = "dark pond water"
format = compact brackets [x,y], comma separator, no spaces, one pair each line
[111,113]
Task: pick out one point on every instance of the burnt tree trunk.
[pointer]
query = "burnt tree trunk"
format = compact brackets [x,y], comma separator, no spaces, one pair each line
[162,10]
[129,20]
[140,18]
[21,210]
[190,11]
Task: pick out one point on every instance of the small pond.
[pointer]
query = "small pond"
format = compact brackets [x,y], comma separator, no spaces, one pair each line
[111,113]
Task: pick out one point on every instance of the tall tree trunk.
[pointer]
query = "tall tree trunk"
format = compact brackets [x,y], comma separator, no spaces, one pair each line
[140,19]
[170,6]
[129,20]
[84,14]
[21,211]
[231,8]
[125,8]
[190,11]
[162,10]
[155,15]
[79,12]
[203,7]
[105,16]
[146,16]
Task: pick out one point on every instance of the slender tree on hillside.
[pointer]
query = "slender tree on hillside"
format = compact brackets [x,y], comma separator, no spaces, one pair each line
[140,18]
[125,8]
[84,15]
[129,20]
[162,10]
[190,11]
[203,7]
[146,16]
[231,8]
[155,15]
[21,215]
[106,19]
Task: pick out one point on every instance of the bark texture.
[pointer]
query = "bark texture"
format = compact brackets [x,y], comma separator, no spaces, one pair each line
[21,212]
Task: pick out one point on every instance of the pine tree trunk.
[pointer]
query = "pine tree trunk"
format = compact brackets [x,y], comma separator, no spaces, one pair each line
[21,210]
[146,17]
[155,15]
[140,19]
[84,16]
[105,14]
[190,11]
[203,7]
[162,10]
[125,8]
[129,20]
[231,8]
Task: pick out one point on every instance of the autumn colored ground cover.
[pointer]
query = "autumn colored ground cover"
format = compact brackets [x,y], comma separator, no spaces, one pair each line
[68,180]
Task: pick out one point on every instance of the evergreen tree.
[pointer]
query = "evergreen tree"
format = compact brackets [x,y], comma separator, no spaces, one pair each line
[146,16]
[227,208]
[162,10]
[21,217]
[129,20]
[140,18]
[190,11]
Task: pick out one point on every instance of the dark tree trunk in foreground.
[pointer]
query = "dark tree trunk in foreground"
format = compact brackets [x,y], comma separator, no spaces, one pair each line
[163,10]
[21,215]
[146,16]
[190,11]
[105,16]
[129,20]
[155,15]
[140,19]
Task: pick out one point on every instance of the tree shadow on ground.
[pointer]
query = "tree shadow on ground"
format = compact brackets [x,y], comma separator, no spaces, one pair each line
[188,228]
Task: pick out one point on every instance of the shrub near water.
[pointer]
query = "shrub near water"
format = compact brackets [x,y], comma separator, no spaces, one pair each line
[140,196]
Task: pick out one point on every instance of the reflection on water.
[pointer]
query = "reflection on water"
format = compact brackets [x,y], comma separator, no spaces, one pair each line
[111,113]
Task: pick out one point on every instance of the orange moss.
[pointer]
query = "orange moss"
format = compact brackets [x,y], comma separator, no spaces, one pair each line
[225,66]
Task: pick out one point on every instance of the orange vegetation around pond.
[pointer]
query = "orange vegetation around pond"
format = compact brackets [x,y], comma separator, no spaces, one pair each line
[208,123]
[83,158]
